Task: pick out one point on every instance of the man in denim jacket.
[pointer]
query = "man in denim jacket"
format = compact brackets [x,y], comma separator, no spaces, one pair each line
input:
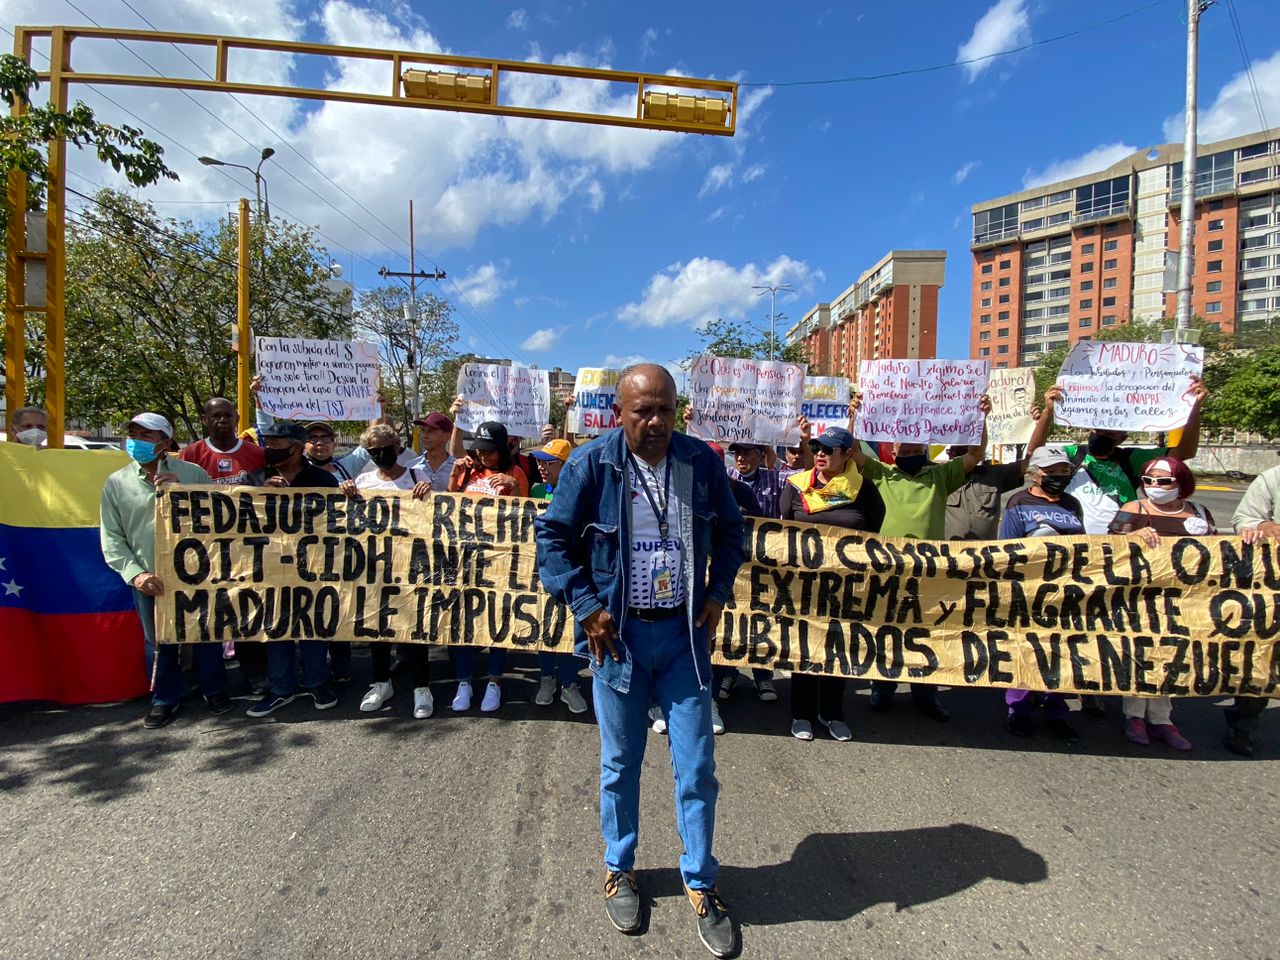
[642,542]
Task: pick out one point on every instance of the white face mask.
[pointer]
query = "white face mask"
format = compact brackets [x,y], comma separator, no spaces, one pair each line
[34,436]
[1162,494]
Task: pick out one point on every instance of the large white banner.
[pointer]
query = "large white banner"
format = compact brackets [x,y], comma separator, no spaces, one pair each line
[922,401]
[317,379]
[1127,386]
[519,398]
[826,403]
[1012,394]
[594,392]
[746,401]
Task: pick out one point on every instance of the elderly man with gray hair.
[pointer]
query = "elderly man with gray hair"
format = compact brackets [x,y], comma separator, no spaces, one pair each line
[29,425]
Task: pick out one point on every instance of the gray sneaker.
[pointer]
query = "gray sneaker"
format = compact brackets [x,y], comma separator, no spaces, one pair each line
[622,900]
[715,928]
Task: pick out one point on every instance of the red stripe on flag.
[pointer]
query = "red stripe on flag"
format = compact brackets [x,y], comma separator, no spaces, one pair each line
[71,657]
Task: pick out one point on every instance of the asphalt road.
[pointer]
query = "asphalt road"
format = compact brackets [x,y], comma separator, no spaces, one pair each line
[346,835]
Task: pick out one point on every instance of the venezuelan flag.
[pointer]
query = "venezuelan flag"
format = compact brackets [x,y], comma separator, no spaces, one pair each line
[68,630]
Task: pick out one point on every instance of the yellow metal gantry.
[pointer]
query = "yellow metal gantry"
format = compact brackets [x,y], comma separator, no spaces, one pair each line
[424,80]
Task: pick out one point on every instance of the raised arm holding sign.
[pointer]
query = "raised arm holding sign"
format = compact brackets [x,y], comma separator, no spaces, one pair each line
[747,401]
[519,398]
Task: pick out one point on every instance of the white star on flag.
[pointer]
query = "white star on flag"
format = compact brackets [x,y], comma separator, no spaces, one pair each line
[1,563]
[12,588]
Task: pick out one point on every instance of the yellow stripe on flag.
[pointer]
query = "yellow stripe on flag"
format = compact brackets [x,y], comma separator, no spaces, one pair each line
[53,488]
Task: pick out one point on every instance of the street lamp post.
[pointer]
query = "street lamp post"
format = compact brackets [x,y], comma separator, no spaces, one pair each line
[259,181]
[773,312]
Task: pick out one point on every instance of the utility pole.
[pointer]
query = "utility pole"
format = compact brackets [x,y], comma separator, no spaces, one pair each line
[773,311]
[411,315]
[1186,252]
[242,318]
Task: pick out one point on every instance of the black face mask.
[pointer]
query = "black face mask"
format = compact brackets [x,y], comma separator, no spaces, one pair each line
[319,461]
[912,465]
[384,458]
[1054,486]
[1101,446]
[276,456]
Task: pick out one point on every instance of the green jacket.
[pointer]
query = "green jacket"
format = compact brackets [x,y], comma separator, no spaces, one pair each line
[128,527]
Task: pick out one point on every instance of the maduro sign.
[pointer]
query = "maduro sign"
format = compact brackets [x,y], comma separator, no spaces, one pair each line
[1196,617]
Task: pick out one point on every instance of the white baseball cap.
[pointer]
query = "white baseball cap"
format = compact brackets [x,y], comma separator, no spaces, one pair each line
[153,421]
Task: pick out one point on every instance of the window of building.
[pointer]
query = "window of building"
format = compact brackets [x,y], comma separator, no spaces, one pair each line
[1003,348]
[1253,243]
[1035,203]
[1060,310]
[1036,262]
[1004,264]
[984,352]
[986,301]
[1110,283]
[1056,275]
[1214,286]
[1088,231]
[1056,218]
[1112,228]
[986,284]
[1058,327]
[1214,307]
[1254,176]
[1004,315]
[1032,331]
[1004,281]
[1214,266]
[1102,199]
[1086,286]
[1086,322]
[1110,264]
[1004,298]
[1086,268]
[984,335]
[1255,220]
[1215,173]
[1255,283]
[1086,250]
[986,268]
[985,318]
[1108,301]
[1031,296]
[1215,225]
[1086,304]
[1253,150]
[1215,205]
[1111,245]
[1003,332]
[1059,293]
[1109,321]
[1029,225]
[995,224]
[1034,278]
[1062,196]
[1215,246]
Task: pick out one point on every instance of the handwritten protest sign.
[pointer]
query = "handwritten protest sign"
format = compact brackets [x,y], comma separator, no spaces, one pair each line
[519,398]
[1196,616]
[826,403]
[317,379]
[1012,393]
[922,401]
[1127,386]
[749,401]
[594,392]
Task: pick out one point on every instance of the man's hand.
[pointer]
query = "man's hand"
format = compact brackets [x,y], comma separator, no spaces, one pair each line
[1148,537]
[276,481]
[1052,396]
[601,633]
[456,407]
[548,432]
[1036,412]
[148,584]
[984,404]
[255,385]
[506,482]
[806,429]
[1263,531]
[1197,391]
[162,478]
[349,488]
[710,616]
[421,490]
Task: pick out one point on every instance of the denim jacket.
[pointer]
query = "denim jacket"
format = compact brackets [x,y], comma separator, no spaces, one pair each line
[584,541]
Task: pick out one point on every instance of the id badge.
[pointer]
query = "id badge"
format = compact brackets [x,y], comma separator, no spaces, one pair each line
[664,587]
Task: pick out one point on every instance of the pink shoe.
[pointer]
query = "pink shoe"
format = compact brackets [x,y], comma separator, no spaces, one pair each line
[1135,730]
[1170,735]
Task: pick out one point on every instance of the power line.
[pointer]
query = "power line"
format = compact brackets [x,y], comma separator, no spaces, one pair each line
[1248,64]
[955,63]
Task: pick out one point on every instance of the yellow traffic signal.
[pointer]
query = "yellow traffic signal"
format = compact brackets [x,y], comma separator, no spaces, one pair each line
[449,87]
[704,111]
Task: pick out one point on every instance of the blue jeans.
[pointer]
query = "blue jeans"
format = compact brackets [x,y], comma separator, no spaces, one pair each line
[282,666]
[663,672]
[563,666]
[169,687]
[464,660]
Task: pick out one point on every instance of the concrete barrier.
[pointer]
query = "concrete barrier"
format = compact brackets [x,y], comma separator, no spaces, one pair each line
[1250,459]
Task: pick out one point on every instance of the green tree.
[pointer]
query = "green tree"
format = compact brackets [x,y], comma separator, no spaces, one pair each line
[24,139]
[151,307]
[1249,399]
[729,338]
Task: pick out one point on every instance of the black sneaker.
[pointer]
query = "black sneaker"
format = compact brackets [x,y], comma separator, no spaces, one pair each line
[725,690]
[1020,726]
[218,703]
[622,900]
[1092,705]
[881,700]
[933,710]
[715,927]
[160,715]
[1239,742]
[268,705]
[1063,731]
[324,697]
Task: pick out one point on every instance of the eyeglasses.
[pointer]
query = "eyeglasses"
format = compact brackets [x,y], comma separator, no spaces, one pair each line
[1159,481]
[816,447]
[323,438]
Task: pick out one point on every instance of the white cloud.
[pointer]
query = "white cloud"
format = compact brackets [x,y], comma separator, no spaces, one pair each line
[541,340]
[961,175]
[716,179]
[753,173]
[1099,158]
[1003,27]
[484,284]
[648,43]
[1233,113]
[699,291]
[619,362]
[716,214]
[595,196]
[518,19]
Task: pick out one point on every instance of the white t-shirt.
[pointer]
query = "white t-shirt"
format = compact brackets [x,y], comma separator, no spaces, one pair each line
[370,480]
[655,562]
[1097,507]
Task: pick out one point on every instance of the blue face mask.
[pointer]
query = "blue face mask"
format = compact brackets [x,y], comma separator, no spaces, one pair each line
[142,451]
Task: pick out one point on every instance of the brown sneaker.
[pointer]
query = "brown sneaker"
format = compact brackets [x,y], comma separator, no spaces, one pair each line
[715,928]
[622,900]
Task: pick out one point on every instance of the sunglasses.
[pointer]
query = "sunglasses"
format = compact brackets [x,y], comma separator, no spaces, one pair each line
[815,447]
[1159,481]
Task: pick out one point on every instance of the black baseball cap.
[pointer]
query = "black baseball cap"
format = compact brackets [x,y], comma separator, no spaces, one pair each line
[287,429]
[490,436]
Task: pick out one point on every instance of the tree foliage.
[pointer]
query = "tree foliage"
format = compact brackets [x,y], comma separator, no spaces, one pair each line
[728,338]
[24,139]
[152,306]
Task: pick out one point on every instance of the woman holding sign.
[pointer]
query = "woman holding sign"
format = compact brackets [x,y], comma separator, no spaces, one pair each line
[1164,511]
[831,493]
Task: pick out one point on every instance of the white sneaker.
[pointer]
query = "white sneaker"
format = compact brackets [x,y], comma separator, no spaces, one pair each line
[546,692]
[656,718]
[378,694]
[462,699]
[423,704]
[492,697]
[572,698]
[717,724]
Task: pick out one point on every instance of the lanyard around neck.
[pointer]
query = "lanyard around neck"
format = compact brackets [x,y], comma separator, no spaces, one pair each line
[659,507]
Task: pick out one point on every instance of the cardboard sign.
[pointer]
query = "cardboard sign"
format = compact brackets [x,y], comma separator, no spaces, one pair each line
[519,398]
[826,403]
[594,392]
[317,379]
[922,401]
[1086,614]
[1012,392]
[1143,387]
[748,401]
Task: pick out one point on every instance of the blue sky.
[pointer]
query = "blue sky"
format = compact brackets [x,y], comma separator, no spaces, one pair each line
[576,245]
